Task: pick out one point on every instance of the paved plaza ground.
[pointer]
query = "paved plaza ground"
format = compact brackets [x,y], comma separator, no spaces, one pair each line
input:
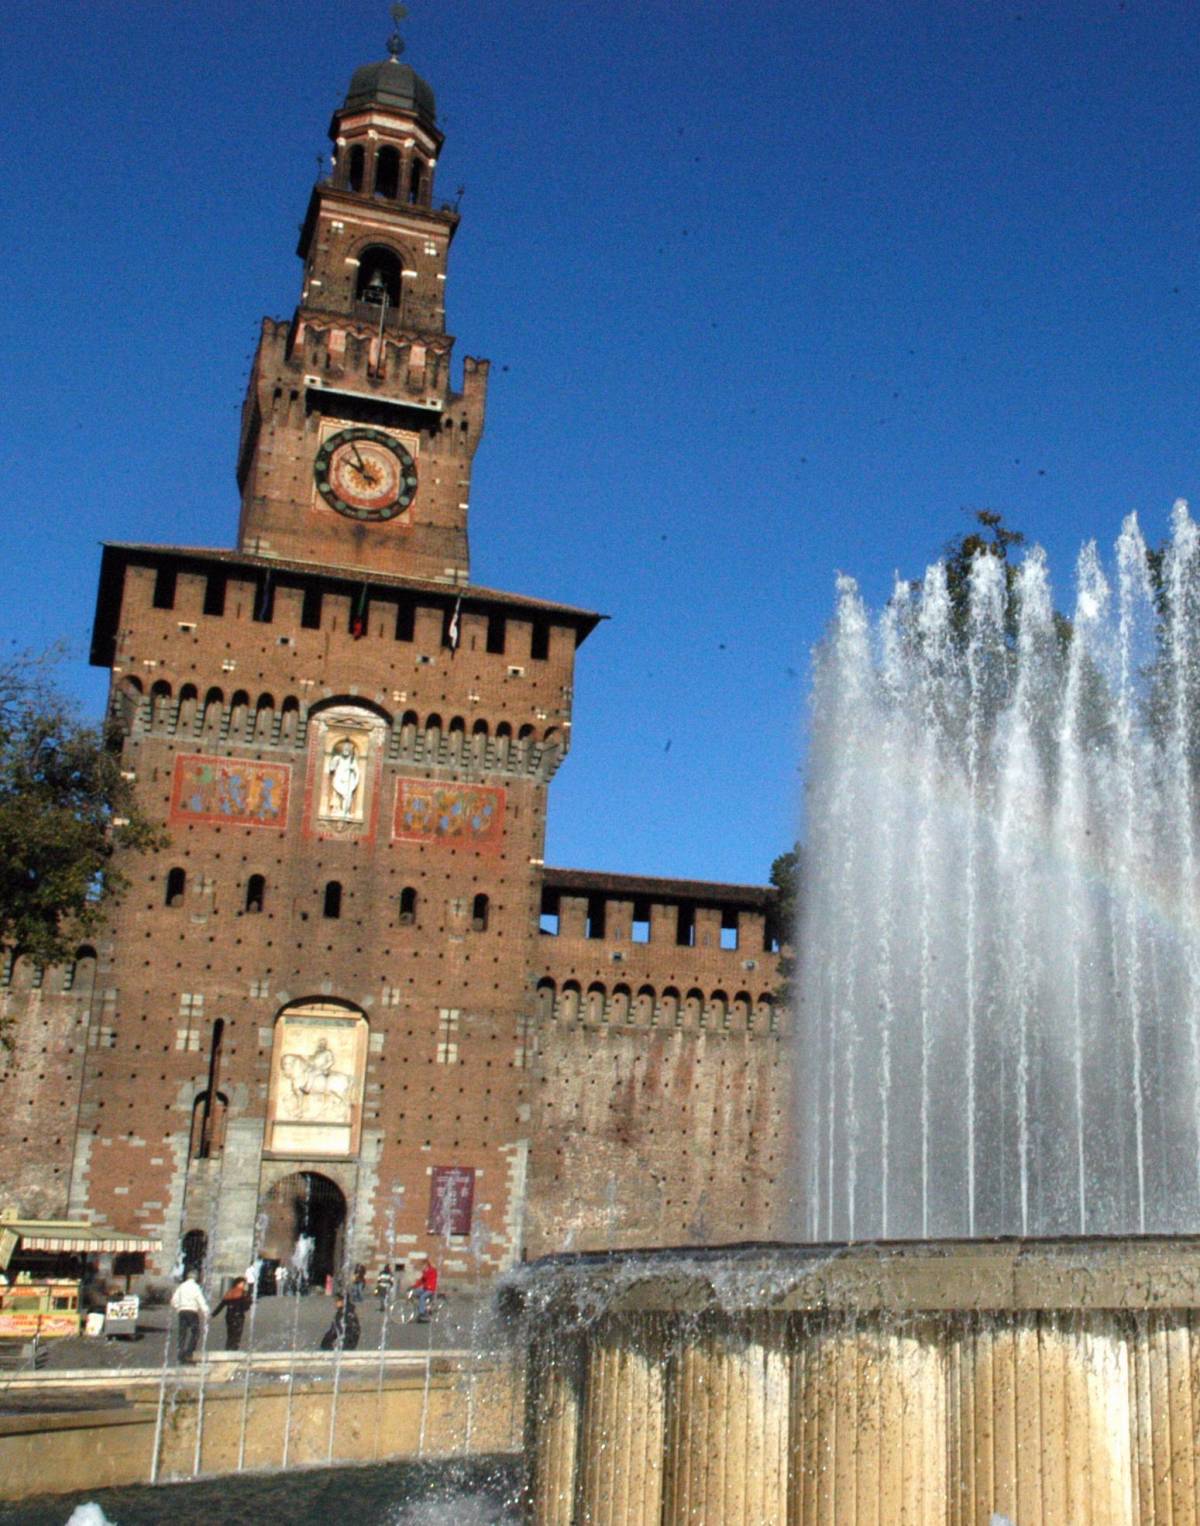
[279,1324]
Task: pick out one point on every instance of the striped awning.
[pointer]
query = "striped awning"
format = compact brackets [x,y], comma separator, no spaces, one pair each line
[64,1235]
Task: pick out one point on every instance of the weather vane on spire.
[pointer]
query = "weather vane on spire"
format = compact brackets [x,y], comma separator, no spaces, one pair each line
[395,42]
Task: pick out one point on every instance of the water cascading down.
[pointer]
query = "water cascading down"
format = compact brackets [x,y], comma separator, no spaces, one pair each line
[1000,997]
[997,1314]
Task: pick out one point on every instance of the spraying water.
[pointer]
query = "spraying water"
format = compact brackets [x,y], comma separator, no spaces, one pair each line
[1000,986]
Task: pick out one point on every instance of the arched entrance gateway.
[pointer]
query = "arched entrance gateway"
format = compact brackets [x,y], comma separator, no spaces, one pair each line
[306,1204]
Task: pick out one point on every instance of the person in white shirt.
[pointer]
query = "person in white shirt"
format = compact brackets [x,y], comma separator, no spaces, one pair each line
[190,1306]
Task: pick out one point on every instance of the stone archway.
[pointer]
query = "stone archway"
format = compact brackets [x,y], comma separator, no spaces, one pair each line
[306,1203]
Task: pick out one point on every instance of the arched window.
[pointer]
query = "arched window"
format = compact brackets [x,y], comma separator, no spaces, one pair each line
[693,1009]
[264,716]
[479,913]
[194,1252]
[643,1007]
[408,906]
[414,180]
[176,885]
[568,1002]
[333,898]
[741,1010]
[620,1004]
[718,1006]
[545,999]
[387,173]
[597,1001]
[378,277]
[256,893]
[358,162]
[670,1007]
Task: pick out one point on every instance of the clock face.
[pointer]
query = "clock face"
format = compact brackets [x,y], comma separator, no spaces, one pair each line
[365,474]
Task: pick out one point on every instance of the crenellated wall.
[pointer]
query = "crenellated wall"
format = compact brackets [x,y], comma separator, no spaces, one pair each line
[661,1085]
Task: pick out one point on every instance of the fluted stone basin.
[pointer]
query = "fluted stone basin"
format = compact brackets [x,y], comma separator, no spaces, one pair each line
[1048,1382]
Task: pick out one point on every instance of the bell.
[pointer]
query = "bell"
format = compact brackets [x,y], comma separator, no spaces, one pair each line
[376,289]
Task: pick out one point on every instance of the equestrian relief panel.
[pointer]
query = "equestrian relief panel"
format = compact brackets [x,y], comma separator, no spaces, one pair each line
[317,1069]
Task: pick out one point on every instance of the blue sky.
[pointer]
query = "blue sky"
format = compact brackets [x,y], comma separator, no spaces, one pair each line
[770,291]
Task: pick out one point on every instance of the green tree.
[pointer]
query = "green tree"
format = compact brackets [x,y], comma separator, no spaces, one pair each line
[990,537]
[67,813]
[786,874]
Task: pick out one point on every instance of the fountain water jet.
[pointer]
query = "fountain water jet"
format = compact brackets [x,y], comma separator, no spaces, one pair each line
[1000,995]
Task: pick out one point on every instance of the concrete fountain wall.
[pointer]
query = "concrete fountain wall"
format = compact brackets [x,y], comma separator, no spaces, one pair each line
[1052,1383]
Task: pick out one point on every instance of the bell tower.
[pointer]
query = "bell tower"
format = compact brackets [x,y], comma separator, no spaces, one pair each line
[355,448]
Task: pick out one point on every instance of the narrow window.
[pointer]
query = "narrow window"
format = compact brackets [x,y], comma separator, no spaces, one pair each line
[539,641]
[256,892]
[495,634]
[414,181]
[729,928]
[405,620]
[333,899]
[387,173]
[164,588]
[214,594]
[596,906]
[685,927]
[479,914]
[357,164]
[264,599]
[408,906]
[548,922]
[640,931]
[310,609]
[176,884]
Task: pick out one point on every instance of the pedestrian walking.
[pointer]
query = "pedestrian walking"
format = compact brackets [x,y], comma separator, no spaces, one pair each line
[236,1303]
[343,1334]
[190,1307]
[358,1288]
[384,1284]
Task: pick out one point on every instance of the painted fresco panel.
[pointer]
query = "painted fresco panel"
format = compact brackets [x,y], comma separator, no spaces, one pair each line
[232,792]
[460,815]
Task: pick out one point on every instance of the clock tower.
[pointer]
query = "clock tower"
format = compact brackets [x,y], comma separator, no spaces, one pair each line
[355,450]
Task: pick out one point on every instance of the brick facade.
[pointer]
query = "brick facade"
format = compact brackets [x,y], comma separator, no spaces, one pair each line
[350,980]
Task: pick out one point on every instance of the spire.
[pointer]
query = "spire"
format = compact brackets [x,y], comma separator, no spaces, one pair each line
[395,43]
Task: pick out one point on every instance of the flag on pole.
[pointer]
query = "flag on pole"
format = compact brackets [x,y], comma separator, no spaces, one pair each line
[452,632]
[358,618]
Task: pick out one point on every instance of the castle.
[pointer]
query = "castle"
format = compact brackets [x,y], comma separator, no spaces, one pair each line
[350,1000]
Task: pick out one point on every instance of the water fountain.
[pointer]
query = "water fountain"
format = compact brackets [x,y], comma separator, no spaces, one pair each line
[998,1136]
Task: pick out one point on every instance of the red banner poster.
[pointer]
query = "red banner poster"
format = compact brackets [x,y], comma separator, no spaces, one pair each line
[451,1200]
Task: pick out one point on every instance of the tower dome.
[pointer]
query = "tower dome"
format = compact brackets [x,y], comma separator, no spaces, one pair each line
[391,84]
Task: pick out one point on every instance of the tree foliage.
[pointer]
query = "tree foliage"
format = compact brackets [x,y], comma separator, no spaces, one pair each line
[990,537]
[67,813]
[786,874]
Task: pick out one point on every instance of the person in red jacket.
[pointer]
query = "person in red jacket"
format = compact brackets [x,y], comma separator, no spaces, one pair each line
[425,1288]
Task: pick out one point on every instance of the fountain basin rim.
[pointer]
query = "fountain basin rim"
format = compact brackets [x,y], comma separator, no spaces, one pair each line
[1064,1274]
